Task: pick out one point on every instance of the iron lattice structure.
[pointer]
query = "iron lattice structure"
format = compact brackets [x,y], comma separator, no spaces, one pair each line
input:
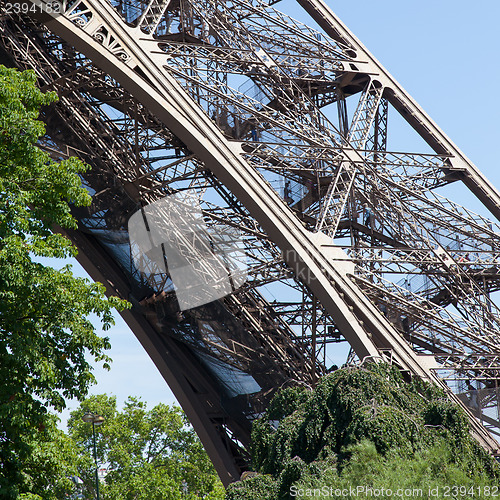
[282,130]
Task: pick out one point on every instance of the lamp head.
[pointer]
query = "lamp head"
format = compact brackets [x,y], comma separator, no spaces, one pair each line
[98,419]
[92,418]
[88,418]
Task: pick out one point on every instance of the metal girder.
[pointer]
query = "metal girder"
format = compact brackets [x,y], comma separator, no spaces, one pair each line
[152,15]
[234,100]
[185,376]
[407,107]
[225,159]
[274,342]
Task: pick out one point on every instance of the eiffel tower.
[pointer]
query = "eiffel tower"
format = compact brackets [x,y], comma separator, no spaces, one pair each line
[280,131]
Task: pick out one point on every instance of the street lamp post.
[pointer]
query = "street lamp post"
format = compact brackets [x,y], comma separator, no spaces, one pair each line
[94,419]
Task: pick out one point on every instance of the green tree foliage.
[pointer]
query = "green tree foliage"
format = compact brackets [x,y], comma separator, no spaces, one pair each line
[45,333]
[52,464]
[363,426]
[149,454]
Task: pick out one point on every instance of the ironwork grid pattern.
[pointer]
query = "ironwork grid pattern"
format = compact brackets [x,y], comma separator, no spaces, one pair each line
[283,132]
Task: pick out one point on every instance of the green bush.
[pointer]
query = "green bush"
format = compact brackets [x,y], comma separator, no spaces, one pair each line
[255,488]
[363,426]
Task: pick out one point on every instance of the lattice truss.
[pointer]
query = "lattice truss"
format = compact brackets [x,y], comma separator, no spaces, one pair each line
[312,117]
[137,161]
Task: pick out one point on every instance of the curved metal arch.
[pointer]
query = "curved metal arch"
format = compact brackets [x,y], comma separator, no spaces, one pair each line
[142,76]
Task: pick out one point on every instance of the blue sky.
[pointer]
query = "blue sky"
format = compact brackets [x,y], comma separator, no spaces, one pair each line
[445,53]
